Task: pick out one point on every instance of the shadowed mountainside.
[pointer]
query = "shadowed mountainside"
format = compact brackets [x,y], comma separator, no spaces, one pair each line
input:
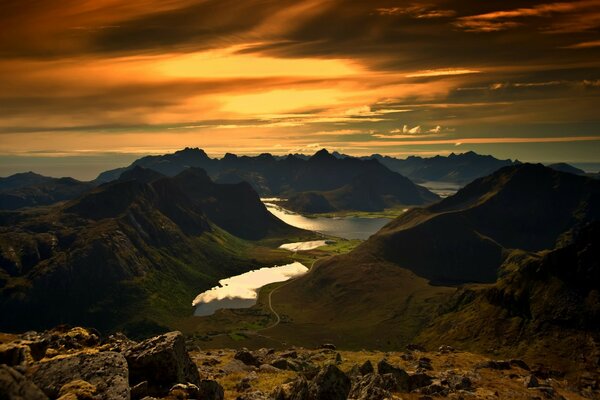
[132,252]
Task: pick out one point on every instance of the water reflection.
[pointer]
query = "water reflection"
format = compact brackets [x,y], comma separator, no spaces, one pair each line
[344,227]
[241,291]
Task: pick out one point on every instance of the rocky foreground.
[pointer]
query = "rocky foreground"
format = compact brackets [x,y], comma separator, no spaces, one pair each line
[78,364]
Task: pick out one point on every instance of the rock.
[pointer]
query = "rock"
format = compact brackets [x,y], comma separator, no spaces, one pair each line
[369,387]
[139,391]
[424,363]
[435,390]
[459,382]
[106,371]
[162,361]
[289,354]
[210,390]
[415,347]
[400,377]
[338,358]
[446,349]
[118,342]
[366,368]
[280,363]
[417,381]
[329,384]
[520,364]
[13,354]
[247,358]
[531,382]
[15,386]
[492,364]
[296,390]
[234,366]
[185,391]
[78,390]
[269,369]
[257,395]
[327,346]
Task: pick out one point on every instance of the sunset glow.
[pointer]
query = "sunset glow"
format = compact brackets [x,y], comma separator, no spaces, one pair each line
[146,76]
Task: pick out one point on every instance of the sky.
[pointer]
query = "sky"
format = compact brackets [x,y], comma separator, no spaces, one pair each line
[87,85]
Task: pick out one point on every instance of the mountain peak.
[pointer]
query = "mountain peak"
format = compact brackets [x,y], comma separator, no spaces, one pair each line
[322,154]
[192,152]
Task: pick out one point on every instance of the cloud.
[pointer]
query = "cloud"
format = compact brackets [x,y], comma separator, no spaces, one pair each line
[417,12]
[408,130]
[574,16]
[441,72]
[584,45]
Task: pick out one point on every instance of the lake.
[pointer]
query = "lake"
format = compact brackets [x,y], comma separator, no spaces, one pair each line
[344,227]
[241,291]
[442,189]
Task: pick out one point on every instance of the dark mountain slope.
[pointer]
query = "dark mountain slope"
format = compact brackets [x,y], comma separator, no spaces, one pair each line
[549,298]
[30,189]
[373,189]
[128,254]
[463,238]
[234,207]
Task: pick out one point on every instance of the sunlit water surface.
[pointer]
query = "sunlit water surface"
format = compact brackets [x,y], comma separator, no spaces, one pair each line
[241,291]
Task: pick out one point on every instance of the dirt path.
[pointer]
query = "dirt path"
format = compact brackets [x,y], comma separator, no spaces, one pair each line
[277,317]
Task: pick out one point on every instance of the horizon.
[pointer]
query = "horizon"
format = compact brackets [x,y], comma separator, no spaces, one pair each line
[96,168]
[92,85]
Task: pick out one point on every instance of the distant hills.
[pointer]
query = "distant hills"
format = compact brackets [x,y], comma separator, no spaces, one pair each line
[30,189]
[521,234]
[131,253]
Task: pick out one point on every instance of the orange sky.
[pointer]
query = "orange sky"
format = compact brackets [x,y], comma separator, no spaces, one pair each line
[138,77]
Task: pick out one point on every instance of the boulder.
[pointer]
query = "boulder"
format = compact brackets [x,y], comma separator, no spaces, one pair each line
[289,354]
[106,371]
[162,361]
[400,377]
[329,384]
[327,346]
[531,382]
[281,363]
[296,390]
[520,364]
[15,386]
[210,390]
[366,368]
[369,387]
[247,358]
[493,364]
[13,354]
[417,381]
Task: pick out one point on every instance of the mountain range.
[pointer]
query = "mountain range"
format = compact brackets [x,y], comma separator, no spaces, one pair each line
[131,253]
[323,182]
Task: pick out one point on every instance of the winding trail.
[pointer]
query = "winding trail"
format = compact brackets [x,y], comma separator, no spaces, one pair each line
[277,317]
